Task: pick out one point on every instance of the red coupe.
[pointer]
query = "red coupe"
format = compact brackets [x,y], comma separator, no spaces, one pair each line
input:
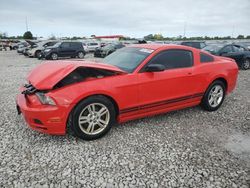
[133,82]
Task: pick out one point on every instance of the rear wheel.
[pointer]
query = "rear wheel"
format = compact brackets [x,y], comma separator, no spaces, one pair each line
[214,96]
[93,117]
[54,56]
[246,64]
[80,55]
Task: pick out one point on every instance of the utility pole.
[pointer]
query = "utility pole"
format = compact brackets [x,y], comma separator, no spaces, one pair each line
[184,30]
[233,31]
[26,21]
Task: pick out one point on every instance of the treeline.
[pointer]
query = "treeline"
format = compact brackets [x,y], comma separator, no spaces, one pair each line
[150,37]
[161,37]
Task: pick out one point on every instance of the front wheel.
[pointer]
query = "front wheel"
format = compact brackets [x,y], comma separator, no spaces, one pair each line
[54,56]
[214,96]
[246,64]
[93,117]
[37,54]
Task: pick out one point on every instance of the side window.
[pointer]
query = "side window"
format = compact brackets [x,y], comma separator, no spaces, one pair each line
[196,45]
[174,59]
[226,49]
[238,49]
[204,58]
[74,45]
[186,43]
[65,45]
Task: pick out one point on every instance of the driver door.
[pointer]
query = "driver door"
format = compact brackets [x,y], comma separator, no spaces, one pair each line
[176,84]
[64,49]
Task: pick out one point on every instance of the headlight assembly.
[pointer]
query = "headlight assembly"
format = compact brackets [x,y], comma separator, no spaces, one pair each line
[44,99]
[47,50]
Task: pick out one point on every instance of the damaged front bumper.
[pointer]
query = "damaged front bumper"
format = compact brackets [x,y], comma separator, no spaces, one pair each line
[43,118]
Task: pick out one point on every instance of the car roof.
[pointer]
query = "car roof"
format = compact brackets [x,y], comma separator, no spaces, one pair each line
[159,46]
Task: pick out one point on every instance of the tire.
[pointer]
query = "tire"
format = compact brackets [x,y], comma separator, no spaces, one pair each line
[87,112]
[246,64]
[212,100]
[80,55]
[54,56]
[37,53]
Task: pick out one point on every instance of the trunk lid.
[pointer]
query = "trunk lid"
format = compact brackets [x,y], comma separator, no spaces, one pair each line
[48,74]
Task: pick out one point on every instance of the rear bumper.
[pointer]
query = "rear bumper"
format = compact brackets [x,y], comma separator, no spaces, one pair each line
[43,118]
[30,54]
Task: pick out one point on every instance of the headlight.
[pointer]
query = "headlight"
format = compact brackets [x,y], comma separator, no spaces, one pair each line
[47,50]
[44,99]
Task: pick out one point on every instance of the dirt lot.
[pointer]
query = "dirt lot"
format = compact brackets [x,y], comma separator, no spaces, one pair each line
[186,148]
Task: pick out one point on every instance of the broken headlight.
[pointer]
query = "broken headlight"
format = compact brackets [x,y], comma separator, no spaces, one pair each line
[44,99]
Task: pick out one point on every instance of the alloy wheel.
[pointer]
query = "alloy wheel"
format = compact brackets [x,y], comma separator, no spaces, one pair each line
[215,96]
[246,64]
[80,55]
[94,118]
[54,56]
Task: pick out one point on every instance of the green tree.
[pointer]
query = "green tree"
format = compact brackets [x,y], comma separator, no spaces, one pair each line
[240,37]
[248,37]
[27,35]
[158,37]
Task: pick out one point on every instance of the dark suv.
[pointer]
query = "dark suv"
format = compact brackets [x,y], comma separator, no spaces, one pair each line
[194,44]
[64,49]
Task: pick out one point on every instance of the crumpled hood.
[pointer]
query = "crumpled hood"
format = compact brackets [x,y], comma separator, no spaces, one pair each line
[47,75]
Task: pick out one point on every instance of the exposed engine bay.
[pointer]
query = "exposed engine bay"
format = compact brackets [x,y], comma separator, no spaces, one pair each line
[82,74]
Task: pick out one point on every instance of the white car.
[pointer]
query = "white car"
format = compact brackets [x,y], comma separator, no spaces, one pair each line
[91,46]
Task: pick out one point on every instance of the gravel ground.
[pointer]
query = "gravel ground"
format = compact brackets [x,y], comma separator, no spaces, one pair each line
[186,148]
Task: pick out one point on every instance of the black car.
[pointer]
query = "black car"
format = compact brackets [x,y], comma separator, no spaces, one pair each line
[63,49]
[108,49]
[237,52]
[198,45]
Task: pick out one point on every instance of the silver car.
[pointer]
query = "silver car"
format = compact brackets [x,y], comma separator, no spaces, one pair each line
[36,52]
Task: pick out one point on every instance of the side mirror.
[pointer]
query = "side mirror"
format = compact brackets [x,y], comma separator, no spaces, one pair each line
[155,68]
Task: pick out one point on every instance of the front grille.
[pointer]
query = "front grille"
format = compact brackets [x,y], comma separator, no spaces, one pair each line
[30,89]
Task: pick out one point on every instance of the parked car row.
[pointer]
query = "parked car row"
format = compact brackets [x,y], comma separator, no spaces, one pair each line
[52,49]
[237,51]
[77,49]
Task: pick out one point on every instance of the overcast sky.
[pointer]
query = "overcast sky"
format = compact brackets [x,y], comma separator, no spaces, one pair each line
[135,18]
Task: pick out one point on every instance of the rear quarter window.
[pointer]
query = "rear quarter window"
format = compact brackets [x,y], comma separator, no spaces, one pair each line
[205,58]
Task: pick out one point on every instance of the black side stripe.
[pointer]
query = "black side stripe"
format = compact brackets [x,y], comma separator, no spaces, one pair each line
[160,103]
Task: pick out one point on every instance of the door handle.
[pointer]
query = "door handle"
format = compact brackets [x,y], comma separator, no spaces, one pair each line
[190,73]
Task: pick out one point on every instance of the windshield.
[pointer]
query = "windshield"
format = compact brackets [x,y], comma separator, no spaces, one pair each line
[56,45]
[109,46]
[212,48]
[127,58]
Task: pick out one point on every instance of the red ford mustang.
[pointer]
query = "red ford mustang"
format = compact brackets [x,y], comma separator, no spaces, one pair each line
[133,82]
